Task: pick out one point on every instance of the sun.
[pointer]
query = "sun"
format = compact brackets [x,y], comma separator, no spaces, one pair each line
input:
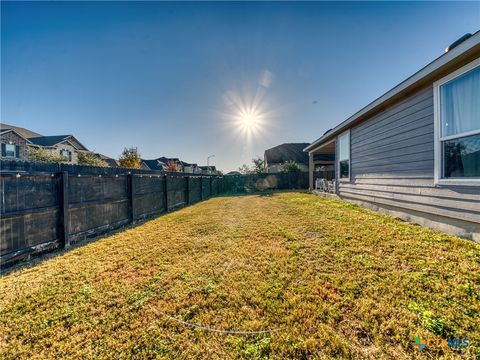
[249,121]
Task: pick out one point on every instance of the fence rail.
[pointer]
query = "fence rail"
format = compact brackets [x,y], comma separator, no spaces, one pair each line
[44,211]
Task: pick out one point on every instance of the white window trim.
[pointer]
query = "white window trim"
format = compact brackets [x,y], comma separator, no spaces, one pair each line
[348,179]
[438,158]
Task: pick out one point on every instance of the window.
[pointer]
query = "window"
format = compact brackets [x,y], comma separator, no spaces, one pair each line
[344,156]
[66,154]
[10,150]
[457,127]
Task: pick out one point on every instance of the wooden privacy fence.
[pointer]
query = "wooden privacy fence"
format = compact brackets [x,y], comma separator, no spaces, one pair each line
[44,211]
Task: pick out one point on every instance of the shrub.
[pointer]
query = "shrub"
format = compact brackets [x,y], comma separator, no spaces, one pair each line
[42,155]
[290,166]
[90,159]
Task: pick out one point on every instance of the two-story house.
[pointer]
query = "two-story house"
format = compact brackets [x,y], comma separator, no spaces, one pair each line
[16,143]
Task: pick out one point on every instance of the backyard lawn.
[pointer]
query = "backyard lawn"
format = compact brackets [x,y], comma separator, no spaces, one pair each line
[316,278]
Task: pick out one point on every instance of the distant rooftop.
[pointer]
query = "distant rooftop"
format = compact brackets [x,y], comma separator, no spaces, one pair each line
[48,140]
[22,131]
[289,151]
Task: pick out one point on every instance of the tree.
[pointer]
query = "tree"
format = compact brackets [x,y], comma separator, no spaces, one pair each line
[290,166]
[173,166]
[258,165]
[245,169]
[130,158]
[42,155]
[90,159]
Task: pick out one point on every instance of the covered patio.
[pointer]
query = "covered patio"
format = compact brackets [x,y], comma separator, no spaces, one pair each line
[322,168]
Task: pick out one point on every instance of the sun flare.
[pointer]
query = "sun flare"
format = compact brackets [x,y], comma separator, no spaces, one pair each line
[249,120]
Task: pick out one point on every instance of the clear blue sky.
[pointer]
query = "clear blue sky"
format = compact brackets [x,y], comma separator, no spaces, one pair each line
[165,76]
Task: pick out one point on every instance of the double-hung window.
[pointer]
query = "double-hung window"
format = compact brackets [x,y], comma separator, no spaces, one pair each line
[10,150]
[457,127]
[344,156]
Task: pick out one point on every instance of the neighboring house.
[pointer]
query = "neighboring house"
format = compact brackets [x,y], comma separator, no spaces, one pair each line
[109,161]
[190,168]
[160,163]
[208,170]
[233,173]
[13,144]
[16,141]
[154,164]
[276,156]
[415,151]
[66,146]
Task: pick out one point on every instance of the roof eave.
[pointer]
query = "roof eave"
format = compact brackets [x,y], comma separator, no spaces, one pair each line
[436,65]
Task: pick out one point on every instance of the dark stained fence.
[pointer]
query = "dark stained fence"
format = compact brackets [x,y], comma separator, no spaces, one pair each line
[43,211]
[263,182]
[30,213]
[148,196]
[97,204]
[194,189]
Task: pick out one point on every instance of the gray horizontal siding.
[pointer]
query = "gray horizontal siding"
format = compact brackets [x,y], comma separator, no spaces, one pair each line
[392,163]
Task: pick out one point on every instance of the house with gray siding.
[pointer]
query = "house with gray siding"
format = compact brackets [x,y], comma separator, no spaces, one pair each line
[414,152]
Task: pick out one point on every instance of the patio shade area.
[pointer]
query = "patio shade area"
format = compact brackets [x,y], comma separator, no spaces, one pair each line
[279,275]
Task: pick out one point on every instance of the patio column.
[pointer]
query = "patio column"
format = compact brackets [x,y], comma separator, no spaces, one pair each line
[311,167]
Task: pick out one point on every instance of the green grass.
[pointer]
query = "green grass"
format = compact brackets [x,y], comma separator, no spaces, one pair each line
[333,279]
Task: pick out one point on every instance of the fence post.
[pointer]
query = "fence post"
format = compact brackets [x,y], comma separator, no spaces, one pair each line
[131,195]
[211,185]
[187,191]
[166,193]
[65,213]
[201,188]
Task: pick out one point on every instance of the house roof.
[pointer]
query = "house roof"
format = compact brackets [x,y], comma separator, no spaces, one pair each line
[19,130]
[56,139]
[187,164]
[285,152]
[210,167]
[48,140]
[437,68]
[110,161]
[154,164]
[166,160]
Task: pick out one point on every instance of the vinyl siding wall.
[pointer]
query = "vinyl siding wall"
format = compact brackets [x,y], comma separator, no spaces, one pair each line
[392,165]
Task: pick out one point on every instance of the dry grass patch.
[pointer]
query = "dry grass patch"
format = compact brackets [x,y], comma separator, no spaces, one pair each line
[337,280]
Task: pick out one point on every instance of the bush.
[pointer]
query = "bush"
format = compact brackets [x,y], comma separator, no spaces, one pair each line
[90,159]
[42,155]
[290,166]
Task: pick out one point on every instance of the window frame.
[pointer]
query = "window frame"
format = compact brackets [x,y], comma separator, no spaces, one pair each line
[439,178]
[346,179]
[69,154]
[14,150]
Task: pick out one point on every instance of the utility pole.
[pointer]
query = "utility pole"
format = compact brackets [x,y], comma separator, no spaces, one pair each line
[208,162]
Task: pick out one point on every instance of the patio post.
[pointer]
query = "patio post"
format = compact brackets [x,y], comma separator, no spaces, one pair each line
[311,167]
